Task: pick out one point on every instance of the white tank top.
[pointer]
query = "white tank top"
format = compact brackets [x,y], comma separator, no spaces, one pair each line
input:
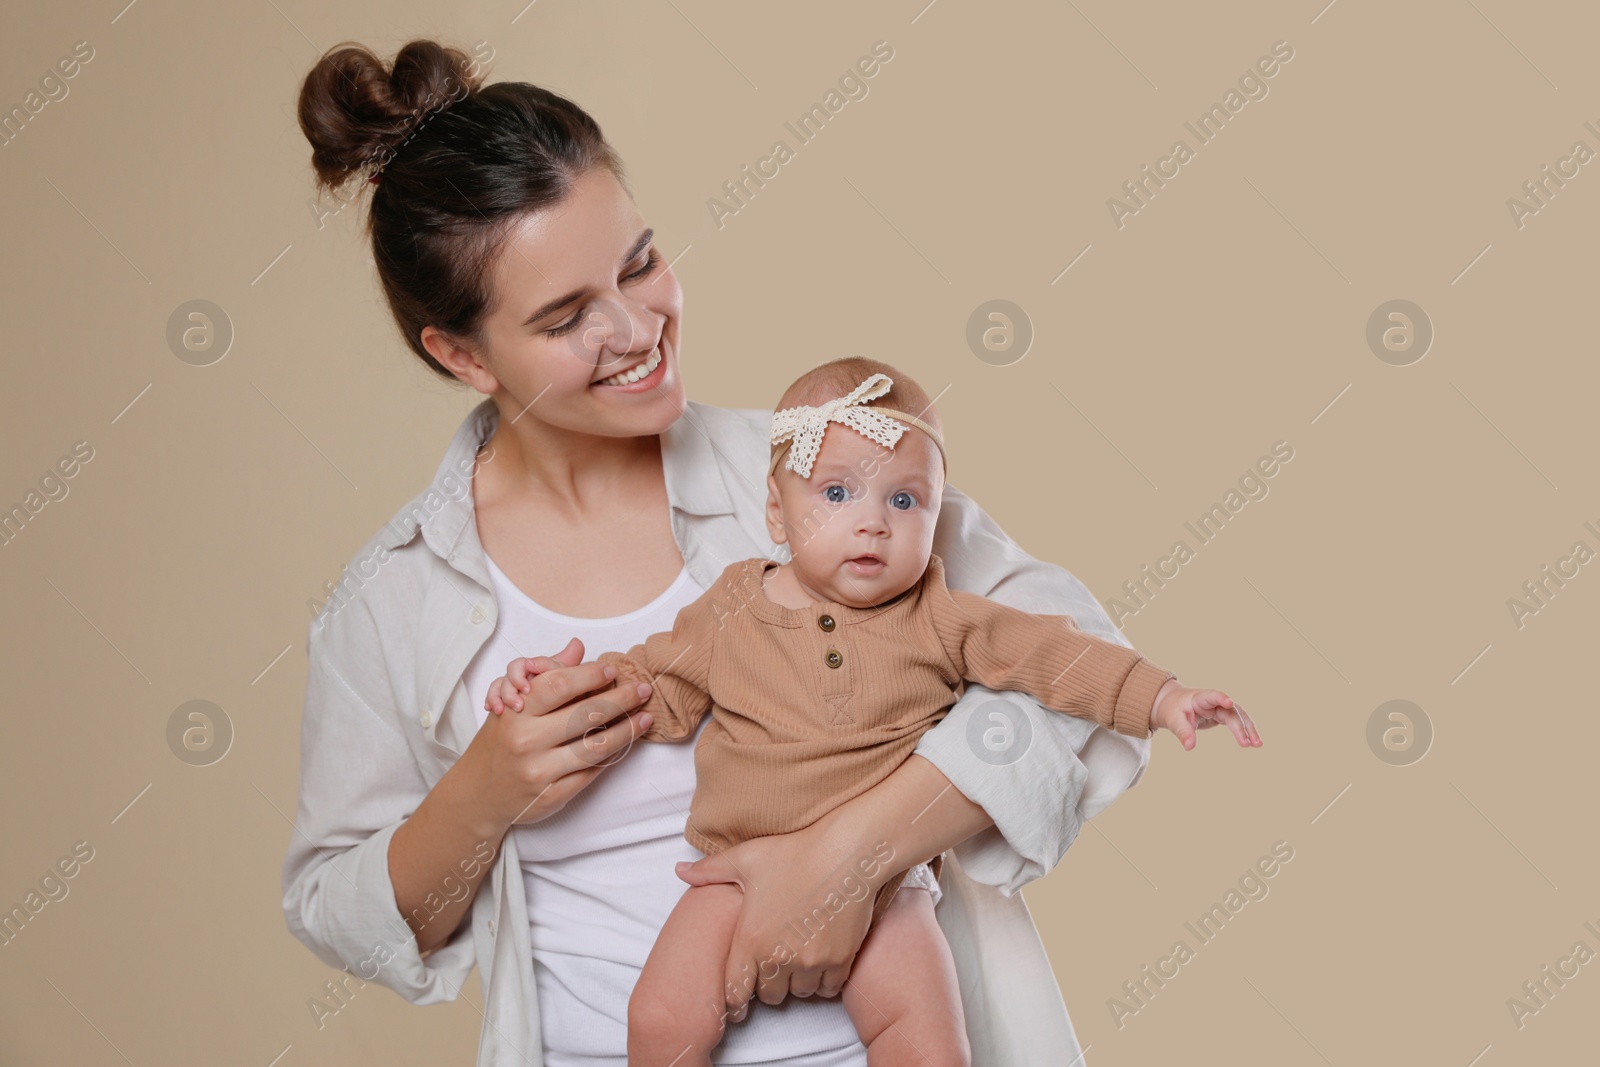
[599,873]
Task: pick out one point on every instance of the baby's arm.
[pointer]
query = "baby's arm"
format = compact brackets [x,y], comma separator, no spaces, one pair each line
[676,665]
[1070,671]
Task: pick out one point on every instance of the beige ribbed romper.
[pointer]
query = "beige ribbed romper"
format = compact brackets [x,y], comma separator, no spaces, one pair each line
[813,706]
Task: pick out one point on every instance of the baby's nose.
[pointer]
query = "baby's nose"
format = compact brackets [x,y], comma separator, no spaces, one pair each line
[872,521]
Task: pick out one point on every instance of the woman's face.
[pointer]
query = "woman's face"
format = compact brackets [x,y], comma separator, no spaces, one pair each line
[581,297]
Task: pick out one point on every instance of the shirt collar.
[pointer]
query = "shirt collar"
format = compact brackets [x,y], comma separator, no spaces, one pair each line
[693,466]
[690,460]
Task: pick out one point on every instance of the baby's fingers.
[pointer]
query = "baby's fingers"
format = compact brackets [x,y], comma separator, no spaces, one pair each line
[1251,736]
[503,693]
[1182,727]
[518,673]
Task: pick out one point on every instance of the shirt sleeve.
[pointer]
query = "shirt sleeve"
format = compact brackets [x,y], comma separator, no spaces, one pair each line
[358,782]
[1055,771]
[1048,657]
[677,664]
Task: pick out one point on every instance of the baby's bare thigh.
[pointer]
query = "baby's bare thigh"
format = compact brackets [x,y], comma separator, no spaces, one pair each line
[905,978]
[681,986]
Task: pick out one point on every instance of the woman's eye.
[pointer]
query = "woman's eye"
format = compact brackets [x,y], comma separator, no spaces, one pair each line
[566,327]
[903,501]
[649,265]
[836,494]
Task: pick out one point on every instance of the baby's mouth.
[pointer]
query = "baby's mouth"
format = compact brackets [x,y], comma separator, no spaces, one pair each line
[866,564]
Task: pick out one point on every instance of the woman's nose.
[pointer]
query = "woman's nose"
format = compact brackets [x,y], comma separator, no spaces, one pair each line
[615,330]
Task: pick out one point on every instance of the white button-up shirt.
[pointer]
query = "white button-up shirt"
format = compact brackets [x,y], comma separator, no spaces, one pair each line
[386,715]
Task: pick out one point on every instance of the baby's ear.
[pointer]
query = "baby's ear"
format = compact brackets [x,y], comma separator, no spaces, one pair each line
[774,512]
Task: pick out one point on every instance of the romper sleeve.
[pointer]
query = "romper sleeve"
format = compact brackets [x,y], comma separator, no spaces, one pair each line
[1070,769]
[677,664]
[1048,657]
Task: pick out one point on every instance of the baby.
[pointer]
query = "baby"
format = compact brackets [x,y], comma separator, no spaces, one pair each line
[820,674]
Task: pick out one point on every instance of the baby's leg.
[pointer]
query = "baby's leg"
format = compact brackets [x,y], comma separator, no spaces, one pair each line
[678,1008]
[902,993]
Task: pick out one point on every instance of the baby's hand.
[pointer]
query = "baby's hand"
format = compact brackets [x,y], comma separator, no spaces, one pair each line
[507,692]
[1183,711]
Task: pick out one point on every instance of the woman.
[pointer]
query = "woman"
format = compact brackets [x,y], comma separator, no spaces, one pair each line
[583,487]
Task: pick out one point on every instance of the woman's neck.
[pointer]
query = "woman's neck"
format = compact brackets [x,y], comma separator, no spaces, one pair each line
[568,470]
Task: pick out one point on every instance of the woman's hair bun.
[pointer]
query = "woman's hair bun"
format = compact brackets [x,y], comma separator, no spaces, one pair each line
[356,111]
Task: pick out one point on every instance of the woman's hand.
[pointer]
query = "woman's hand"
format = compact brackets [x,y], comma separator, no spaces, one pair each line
[787,881]
[528,765]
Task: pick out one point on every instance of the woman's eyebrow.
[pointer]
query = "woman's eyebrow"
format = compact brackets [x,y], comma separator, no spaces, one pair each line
[562,301]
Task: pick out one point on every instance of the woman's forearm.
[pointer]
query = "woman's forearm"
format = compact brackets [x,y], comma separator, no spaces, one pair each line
[908,818]
[440,855]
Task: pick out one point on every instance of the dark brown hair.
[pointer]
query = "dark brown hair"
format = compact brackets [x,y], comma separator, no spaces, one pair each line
[458,163]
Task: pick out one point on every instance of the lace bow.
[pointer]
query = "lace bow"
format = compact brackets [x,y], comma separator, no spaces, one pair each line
[805,425]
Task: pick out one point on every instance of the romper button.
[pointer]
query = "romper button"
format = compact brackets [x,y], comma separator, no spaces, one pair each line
[833,659]
[826,622]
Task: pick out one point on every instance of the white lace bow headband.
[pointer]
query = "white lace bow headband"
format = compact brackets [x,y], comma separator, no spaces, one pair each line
[804,426]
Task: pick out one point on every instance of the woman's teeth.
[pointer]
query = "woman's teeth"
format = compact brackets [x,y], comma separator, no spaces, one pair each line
[628,377]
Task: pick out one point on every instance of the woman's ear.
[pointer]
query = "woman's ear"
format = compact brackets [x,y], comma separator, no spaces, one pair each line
[775,528]
[459,360]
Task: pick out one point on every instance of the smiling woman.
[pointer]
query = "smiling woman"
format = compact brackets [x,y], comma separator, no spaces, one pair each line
[602,500]
[562,352]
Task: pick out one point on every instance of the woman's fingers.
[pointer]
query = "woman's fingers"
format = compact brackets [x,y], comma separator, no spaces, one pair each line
[554,797]
[833,980]
[601,746]
[556,688]
[772,990]
[568,768]
[590,714]
[804,983]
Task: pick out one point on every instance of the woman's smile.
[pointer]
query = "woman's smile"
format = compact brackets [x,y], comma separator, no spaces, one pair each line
[646,374]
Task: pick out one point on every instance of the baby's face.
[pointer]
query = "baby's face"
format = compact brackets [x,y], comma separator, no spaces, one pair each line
[861,527]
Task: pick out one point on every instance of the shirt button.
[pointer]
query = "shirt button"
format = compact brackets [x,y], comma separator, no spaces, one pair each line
[491,927]
[833,659]
[427,719]
[826,622]
[477,616]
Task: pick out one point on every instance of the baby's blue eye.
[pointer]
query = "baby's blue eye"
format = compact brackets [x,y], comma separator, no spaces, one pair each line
[903,501]
[828,494]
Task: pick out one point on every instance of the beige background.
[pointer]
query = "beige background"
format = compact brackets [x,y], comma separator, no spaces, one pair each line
[1228,314]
